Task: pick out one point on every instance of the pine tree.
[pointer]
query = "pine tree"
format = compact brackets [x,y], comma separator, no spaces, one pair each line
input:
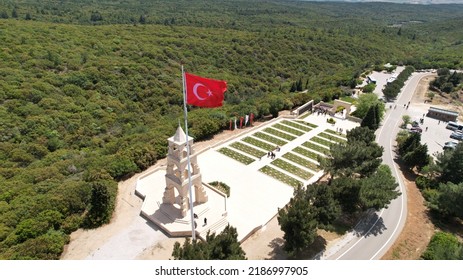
[4,15]
[409,144]
[327,207]
[299,85]
[417,157]
[451,164]
[142,19]
[298,222]
[293,87]
[370,119]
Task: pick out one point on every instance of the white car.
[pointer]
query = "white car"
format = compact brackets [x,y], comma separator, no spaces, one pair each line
[457,136]
[451,145]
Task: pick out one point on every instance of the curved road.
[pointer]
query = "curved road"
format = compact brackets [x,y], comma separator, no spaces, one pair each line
[373,237]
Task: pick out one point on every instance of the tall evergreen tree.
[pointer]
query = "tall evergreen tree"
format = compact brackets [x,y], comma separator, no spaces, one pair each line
[346,191]
[371,119]
[101,203]
[361,134]
[409,143]
[298,222]
[356,159]
[327,207]
[450,164]
[293,87]
[417,157]
[378,190]
[142,19]
[4,15]
[299,85]
[449,201]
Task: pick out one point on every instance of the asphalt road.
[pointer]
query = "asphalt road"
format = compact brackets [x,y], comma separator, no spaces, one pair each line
[375,235]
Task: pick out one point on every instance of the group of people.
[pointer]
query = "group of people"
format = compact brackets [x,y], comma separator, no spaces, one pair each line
[196,217]
[406,105]
[271,154]
[321,111]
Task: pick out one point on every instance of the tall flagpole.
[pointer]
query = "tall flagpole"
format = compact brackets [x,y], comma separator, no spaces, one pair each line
[193,231]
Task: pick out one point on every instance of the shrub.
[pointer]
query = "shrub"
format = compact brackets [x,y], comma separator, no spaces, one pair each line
[221,186]
[422,182]
[443,246]
[331,121]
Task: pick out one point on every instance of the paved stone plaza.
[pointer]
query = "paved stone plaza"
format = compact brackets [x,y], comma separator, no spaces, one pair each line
[255,196]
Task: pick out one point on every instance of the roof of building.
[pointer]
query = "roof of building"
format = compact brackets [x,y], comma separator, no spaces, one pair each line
[443,111]
[180,136]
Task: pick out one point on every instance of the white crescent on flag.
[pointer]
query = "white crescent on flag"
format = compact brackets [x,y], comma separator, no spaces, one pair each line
[195,91]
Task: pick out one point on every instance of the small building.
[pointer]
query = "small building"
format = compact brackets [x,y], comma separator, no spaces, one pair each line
[442,114]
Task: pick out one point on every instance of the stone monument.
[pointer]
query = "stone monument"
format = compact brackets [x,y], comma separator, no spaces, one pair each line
[177,174]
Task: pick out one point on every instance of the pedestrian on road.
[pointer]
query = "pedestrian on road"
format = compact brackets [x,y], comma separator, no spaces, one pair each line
[205,221]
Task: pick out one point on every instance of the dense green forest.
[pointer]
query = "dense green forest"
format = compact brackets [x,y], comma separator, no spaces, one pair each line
[90,90]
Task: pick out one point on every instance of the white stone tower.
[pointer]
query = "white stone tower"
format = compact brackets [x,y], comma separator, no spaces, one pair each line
[177,174]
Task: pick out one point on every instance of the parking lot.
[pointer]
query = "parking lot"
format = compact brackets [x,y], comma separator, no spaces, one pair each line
[434,133]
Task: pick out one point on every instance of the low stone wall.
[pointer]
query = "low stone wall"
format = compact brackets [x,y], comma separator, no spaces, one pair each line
[303,108]
[354,119]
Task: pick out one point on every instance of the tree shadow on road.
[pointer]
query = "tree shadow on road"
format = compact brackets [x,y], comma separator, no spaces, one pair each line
[371,224]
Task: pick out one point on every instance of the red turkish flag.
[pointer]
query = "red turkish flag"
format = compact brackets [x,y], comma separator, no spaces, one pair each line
[204,92]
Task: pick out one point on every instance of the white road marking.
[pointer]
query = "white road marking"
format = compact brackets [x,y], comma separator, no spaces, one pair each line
[401,188]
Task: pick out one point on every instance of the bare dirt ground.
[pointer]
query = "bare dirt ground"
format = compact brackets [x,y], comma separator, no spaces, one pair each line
[440,101]
[418,230]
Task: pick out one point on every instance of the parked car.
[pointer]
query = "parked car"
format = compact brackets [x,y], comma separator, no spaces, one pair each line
[415,129]
[383,99]
[450,145]
[457,136]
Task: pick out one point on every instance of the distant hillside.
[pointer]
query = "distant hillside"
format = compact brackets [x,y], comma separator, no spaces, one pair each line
[425,2]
